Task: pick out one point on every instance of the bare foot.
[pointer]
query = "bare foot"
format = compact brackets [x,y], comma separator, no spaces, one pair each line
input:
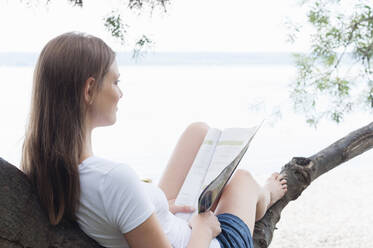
[273,190]
[277,186]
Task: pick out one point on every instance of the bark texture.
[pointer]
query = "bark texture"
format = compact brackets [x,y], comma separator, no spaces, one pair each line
[22,221]
[300,172]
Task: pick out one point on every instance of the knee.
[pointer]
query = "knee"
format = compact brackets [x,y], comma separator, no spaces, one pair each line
[198,125]
[245,176]
[199,128]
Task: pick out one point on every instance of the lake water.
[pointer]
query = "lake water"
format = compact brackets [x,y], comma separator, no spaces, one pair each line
[160,101]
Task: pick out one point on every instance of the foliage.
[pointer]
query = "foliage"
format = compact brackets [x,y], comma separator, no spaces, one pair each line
[115,26]
[335,76]
[114,22]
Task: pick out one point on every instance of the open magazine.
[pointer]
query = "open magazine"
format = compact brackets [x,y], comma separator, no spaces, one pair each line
[215,162]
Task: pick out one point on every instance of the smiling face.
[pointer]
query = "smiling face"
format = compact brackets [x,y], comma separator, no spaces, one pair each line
[102,111]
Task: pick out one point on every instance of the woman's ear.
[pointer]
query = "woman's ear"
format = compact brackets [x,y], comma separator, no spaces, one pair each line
[89,90]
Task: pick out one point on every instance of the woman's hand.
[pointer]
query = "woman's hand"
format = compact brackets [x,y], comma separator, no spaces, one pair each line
[206,222]
[179,209]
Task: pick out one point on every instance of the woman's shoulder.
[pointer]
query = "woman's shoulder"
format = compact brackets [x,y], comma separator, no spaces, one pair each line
[105,168]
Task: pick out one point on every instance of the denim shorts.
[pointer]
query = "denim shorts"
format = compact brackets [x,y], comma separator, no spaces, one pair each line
[234,232]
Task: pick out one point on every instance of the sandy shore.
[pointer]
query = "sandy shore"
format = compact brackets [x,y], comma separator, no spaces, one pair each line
[334,211]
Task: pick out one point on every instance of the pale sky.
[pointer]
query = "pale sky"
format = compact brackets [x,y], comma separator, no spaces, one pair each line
[208,25]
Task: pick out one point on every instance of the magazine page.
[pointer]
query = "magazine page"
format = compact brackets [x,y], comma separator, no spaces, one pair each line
[211,193]
[231,143]
[215,184]
[192,186]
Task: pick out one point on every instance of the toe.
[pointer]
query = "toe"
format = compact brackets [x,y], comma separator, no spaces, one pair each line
[280,177]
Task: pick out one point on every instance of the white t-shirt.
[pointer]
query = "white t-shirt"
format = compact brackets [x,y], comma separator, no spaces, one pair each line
[114,201]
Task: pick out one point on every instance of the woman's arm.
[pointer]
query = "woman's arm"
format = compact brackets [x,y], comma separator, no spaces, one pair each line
[148,234]
[205,227]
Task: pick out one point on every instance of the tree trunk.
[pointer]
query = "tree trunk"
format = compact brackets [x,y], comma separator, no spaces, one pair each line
[300,172]
[22,221]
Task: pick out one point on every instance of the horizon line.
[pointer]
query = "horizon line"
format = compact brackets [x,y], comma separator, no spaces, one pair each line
[170,58]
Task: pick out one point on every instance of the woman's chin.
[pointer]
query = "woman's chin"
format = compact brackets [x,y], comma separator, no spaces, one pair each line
[112,122]
[108,123]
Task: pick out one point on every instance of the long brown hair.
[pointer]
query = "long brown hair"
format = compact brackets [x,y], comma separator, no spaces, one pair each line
[56,129]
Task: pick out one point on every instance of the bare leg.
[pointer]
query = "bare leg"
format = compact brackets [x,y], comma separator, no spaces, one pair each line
[182,158]
[246,199]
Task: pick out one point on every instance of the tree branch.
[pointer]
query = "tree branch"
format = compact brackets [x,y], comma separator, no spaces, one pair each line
[300,173]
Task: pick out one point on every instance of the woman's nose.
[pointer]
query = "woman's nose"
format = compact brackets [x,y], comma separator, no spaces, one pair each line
[120,93]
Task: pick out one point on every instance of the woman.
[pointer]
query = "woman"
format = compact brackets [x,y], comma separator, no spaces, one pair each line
[75,90]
